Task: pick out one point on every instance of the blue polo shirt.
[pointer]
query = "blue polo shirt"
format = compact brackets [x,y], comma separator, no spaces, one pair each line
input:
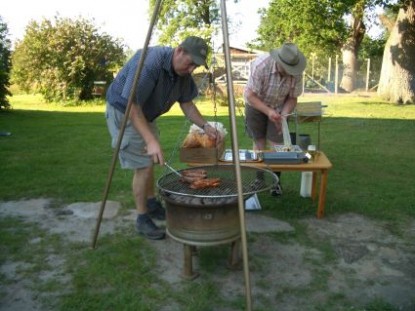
[158,87]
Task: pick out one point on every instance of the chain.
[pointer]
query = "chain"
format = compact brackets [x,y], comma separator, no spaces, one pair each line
[186,125]
[215,107]
[207,81]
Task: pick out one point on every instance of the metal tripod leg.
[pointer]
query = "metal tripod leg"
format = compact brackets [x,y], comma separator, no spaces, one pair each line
[235,150]
[124,123]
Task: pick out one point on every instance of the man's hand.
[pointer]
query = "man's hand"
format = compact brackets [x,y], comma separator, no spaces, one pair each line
[154,150]
[276,118]
[141,125]
[193,114]
[212,133]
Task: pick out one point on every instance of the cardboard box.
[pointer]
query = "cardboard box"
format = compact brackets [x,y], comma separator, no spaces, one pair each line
[202,155]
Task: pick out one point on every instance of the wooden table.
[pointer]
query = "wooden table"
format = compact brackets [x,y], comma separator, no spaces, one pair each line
[320,167]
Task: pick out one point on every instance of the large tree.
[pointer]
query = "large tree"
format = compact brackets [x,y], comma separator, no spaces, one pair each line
[5,65]
[319,28]
[397,79]
[62,58]
[315,26]
[350,48]
[180,18]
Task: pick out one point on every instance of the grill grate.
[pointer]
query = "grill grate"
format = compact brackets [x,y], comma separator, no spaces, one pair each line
[253,180]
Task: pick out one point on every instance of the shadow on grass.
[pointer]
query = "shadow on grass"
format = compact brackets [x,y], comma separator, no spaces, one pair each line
[67,155]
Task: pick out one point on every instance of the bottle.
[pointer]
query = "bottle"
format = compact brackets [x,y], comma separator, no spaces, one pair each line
[306,183]
[312,150]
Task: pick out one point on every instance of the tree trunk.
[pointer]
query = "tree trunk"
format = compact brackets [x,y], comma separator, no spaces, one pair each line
[349,54]
[348,81]
[397,77]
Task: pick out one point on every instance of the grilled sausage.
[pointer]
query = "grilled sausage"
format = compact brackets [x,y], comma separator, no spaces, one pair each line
[205,183]
[194,173]
[190,179]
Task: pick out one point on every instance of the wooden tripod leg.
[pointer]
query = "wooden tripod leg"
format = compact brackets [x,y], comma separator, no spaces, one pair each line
[188,273]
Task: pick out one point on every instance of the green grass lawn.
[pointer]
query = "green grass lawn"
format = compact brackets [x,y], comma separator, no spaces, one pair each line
[64,153]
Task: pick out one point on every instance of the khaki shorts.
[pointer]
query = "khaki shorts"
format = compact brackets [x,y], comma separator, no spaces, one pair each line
[132,154]
[258,126]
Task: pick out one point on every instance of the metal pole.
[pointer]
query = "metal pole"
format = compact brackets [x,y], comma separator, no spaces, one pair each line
[126,117]
[235,154]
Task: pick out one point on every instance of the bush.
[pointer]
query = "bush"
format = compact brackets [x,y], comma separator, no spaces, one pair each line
[5,65]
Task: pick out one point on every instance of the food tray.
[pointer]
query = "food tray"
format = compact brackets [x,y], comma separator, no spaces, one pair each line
[245,155]
[287,157]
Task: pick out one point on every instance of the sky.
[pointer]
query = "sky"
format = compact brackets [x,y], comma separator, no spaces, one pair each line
[124,19]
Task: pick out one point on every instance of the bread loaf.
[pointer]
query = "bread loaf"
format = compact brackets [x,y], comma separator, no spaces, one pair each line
[197,140]
[192,140]
[206,141]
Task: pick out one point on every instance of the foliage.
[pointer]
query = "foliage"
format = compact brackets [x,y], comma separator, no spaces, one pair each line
[62,58]
[372,48]
[180,18]
[5,65]
[323,29]
[318,27]
[315,26]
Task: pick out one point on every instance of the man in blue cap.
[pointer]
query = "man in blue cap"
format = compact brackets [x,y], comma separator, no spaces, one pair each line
[165,79]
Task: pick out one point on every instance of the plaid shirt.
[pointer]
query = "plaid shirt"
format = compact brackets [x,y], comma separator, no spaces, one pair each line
[158,88]
[272,88]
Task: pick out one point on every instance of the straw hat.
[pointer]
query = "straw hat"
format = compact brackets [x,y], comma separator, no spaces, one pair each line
[290,58]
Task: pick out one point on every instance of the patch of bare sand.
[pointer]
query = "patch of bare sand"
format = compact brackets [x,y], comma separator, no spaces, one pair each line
[365,260]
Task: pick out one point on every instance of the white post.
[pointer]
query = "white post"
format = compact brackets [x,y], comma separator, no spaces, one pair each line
[303,82]
[329,73]
[313,57]
[367,74]
[306,183]
[336,74]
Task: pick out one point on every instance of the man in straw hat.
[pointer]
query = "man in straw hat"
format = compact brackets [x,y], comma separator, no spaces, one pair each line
[165,79]
[271,93]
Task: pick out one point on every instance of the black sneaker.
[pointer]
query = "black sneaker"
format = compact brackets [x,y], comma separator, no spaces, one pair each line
[149,230]
[277,191]
[156,210]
